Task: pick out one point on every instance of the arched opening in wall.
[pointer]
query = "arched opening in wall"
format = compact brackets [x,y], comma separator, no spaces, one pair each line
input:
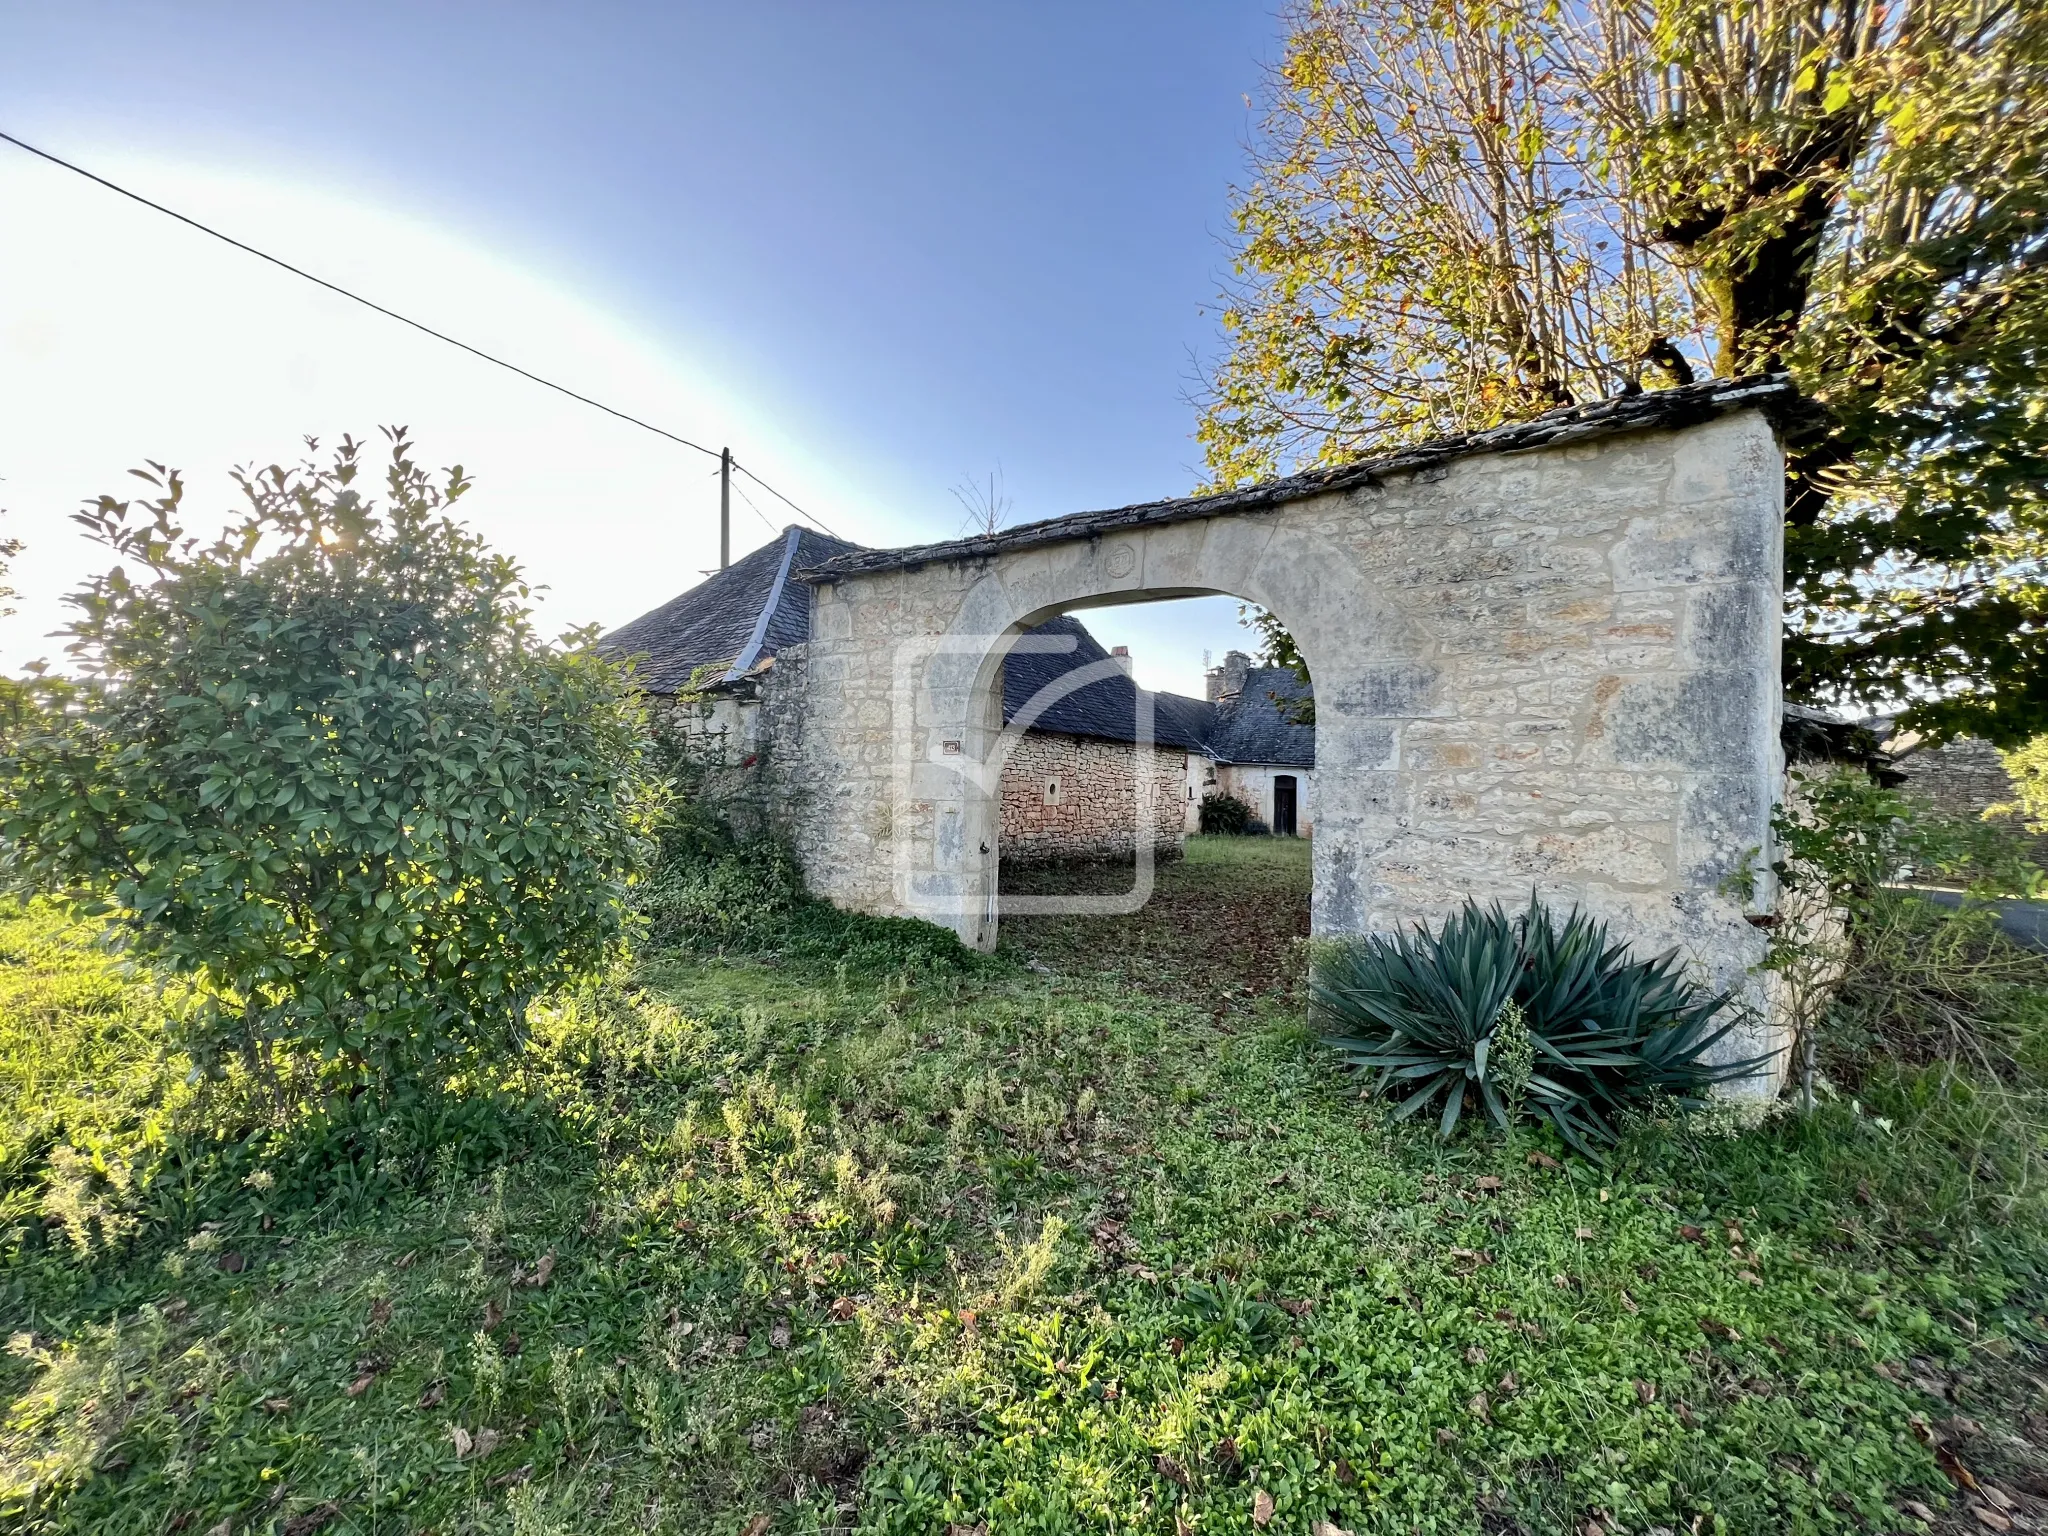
[1157,796]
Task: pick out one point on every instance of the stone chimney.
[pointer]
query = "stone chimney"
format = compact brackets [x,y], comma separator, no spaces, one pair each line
[1227,681]
[1121,655]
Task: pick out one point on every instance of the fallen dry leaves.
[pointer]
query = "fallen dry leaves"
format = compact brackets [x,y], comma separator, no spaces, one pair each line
[473,1445]
[1262,1508]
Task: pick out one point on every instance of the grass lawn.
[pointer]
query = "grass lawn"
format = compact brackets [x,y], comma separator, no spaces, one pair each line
[760,1245]
[1224,925]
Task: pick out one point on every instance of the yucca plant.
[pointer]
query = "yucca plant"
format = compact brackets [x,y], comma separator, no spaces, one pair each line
[1522,1015]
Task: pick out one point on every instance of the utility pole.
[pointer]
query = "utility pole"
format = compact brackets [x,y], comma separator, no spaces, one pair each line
[724,508]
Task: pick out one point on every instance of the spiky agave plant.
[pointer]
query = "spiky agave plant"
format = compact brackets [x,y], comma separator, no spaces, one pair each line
[1424,1013]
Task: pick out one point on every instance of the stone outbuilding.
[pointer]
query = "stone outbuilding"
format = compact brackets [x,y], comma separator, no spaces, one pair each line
[1258,746]
[1097,768]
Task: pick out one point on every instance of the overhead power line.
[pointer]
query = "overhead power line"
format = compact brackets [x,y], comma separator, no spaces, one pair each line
[392,314]
[736,464]
[766,521]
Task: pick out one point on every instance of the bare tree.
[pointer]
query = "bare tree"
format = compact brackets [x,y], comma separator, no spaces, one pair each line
[987,506]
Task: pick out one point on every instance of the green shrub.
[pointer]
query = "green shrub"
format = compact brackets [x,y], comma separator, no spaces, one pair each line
[1229,816]
[2027,764]
[1870,968]
[1854,837]
[729,898]
[324,767]
[1521,1015]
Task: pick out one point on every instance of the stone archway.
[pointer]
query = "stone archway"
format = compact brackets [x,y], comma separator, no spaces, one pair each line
[947,687]
[1546,658]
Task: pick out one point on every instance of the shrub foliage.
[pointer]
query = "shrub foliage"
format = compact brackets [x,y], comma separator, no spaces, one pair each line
[1522,1015]
[324,766]
[1228,815]
[1851,837]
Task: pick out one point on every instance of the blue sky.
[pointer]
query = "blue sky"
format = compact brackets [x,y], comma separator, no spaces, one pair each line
[881,247]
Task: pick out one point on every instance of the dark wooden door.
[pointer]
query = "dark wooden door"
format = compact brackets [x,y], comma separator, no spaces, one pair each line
[1283,804]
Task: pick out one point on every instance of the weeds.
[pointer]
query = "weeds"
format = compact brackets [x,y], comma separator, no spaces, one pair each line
[860,1252]
[724,884]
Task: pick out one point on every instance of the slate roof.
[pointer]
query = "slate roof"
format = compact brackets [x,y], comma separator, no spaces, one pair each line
[757,605]
[1258,725]
[1106,707]
[1685,406]
[734,618]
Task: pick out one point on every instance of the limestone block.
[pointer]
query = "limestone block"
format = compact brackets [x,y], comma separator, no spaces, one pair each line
[1699,720]
[1738,619]
[1692,544]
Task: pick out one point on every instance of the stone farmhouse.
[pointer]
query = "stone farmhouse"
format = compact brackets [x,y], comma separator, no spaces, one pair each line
[1097,767]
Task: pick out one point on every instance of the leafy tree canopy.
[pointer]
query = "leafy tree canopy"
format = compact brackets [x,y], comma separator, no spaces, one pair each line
[324,765]
[1462,213]
[9,548]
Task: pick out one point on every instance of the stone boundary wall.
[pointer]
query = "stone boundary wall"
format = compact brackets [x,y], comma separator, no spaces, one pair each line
[1962,777]
[1550,670]
[1072,797]
[1966,777]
